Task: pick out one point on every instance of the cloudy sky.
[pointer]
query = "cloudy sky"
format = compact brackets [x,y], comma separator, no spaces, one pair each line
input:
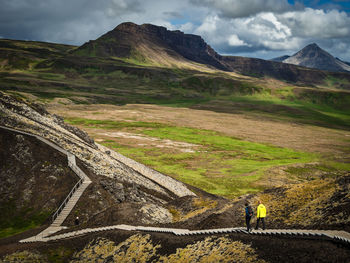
[254,28]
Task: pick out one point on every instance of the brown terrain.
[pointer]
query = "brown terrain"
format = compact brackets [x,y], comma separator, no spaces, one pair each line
[252,128]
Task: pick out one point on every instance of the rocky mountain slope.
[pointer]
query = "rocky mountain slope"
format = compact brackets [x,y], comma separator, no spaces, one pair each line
[312,56]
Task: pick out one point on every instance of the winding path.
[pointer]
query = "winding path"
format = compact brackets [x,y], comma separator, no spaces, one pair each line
[66,207]
[340,236]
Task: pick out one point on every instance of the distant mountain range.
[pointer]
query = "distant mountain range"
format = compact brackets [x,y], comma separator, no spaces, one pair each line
[131,47]
[155,45]
[312,56]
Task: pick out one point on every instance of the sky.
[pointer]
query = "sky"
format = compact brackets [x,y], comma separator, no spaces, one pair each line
[252,28]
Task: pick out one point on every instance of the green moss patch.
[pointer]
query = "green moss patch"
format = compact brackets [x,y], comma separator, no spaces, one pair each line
[14,221]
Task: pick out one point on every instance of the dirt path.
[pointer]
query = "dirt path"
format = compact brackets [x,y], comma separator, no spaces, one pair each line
[283,134]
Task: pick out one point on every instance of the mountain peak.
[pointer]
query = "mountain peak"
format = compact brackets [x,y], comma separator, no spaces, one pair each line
[132,27]
[312,56]
[126,25]
[312,45]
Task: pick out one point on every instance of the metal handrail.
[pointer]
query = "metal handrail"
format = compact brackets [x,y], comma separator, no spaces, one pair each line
[81,175]
[60,208]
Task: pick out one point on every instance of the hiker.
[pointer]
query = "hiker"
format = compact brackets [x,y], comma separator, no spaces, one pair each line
[260,214]
[248,216]
[76,221]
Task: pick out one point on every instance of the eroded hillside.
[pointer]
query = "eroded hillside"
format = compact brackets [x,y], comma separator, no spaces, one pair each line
[115,180]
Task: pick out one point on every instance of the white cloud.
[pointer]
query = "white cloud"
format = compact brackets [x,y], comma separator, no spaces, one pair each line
[244,8]
[262,31]
[209,25]
[234,41]
[269,33]
[187,27]
[317,23]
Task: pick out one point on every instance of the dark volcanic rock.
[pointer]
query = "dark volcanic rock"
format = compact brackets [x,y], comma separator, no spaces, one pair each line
[29,171]
[114,188]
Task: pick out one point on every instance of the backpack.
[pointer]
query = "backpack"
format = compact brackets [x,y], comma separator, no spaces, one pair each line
[250,211]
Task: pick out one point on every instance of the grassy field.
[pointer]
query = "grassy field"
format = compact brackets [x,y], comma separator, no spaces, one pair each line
[220,164]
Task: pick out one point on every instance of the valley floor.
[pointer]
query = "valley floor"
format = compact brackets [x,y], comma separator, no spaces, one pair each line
[227,154]
[256,128]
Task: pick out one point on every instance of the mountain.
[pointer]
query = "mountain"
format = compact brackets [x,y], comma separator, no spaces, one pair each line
[152,44]
[156,46]
[312,56]
[140,65]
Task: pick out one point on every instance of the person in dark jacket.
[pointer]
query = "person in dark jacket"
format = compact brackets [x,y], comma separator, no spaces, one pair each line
[76,221]
[248,216]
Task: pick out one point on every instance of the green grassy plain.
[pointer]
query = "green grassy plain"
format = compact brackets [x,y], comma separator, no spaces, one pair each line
[221,165]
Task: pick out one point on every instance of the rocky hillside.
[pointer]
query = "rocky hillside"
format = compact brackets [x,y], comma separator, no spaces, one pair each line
[312,56]
[29,170]
[120,185]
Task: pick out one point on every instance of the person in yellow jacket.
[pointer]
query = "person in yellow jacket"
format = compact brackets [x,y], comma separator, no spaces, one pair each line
[260,214]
